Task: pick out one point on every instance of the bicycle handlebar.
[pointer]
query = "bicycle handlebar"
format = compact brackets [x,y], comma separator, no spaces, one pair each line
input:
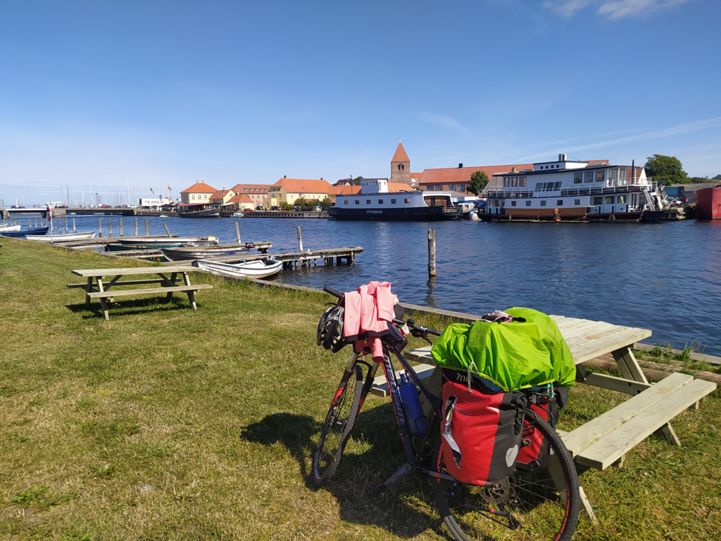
[333,292]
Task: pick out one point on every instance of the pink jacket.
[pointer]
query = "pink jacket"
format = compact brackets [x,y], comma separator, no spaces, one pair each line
[369,308]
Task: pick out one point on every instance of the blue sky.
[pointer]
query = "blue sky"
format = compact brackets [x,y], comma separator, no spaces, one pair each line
[101,96]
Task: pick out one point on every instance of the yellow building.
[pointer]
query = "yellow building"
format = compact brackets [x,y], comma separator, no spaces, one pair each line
[197,194]
[287,190]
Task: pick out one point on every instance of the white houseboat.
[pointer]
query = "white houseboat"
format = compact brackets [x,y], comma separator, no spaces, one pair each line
[375,202]
[566,190]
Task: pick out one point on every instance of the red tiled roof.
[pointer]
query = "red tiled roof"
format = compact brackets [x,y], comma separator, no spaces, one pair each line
[300,185]
[344,190]
[251,188]
[242,198]
[199,187]
[400,187]
[400,155]
[219,194]
[463,174]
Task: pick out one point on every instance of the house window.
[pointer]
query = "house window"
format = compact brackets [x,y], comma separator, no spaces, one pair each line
[577,177]
[576,201]
[543,202]
[559,202]
[393,201]
[528,203]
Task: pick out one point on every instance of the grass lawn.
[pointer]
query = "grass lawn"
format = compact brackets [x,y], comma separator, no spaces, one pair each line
[165,423]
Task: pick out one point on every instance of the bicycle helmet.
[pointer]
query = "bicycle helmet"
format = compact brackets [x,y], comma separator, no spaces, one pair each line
[330,329]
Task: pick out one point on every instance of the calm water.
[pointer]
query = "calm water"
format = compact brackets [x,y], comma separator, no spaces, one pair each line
[665,277]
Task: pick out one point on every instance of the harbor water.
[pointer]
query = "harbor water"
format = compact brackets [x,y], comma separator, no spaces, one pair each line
[664,276]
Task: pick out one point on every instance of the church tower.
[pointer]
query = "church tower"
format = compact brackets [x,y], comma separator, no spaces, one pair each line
[400,165]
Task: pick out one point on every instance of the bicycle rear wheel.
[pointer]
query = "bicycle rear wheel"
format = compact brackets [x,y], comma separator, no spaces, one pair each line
[338,424]
[540,503]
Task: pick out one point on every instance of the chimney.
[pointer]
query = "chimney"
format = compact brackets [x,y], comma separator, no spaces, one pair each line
[561,157]
[321,178]
[513,169]
[460,166]
[285,176]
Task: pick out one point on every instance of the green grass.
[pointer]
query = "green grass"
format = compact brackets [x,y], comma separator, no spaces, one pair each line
[165,423]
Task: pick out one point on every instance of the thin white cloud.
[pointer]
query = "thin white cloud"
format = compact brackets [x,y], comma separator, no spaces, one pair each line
[648,135]
[444,121]
[611,9]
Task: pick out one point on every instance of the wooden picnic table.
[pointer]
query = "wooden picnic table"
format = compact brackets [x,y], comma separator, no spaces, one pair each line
[605,440]
[169,280]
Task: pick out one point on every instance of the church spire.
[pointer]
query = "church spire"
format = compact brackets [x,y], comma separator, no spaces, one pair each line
[400,165]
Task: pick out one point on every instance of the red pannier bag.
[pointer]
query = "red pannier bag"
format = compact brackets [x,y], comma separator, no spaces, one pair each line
[480,429]
[545,403]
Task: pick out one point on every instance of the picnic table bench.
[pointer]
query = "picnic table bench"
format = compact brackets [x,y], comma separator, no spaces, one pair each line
[168,279]
[605,440]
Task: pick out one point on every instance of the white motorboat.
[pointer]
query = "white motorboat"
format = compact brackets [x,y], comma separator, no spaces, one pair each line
[63,237]
[260,268]
[9,228]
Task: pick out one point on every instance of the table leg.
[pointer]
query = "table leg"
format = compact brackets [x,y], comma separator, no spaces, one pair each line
[629,367]
[103,300]
[88,290]
[191,294]
[173,279]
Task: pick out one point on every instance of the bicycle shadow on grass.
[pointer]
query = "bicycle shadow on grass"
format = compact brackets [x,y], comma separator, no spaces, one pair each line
[373,454]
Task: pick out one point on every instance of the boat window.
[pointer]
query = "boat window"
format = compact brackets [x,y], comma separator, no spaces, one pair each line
[543,202]
[345,201]
[622,175]
[576,201]
[513,203]
[577,177]
[588,176]
[528,203]
[380,201]
[598,200]
[406,200]
[609,200]
[559,202]
[621,199]
[357,202]
[368,201]
[393,201]
[599,175]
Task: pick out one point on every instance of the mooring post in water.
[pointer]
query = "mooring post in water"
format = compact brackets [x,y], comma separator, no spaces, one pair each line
[66,223]
[166,229]
[237,232]
[146,228]
[136,227]
[431,252]
[120,226]
[74,229]
[300,239]
[100,227]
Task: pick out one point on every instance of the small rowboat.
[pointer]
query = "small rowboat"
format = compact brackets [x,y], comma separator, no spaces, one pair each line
[196,252]
[261,268]
[63,237]
[9,228]
[22,232]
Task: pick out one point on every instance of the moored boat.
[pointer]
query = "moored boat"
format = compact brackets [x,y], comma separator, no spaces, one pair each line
[196,252]
[198,210]
[375,202]
[568,190]
[22,232]
[9,228]
[260,268]
[63,237]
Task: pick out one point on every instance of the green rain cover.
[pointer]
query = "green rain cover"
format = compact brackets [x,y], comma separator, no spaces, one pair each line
[513,355]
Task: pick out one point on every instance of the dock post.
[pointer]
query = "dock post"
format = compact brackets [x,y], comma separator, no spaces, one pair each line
[100,227]
[120,226]
[431,252]
[136,226]
[237,231]
[146,228]
[74,229]
[300,239]
[110,226]
[66,222]
[167,230]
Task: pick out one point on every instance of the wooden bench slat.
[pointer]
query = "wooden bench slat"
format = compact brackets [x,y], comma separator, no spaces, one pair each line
[146,291]
[614,445]
[124,271]
[127,282]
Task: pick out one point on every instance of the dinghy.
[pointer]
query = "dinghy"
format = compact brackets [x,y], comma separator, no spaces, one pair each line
[260,268]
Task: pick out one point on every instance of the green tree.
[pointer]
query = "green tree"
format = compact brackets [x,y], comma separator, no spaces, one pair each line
[665,169]
[478,181]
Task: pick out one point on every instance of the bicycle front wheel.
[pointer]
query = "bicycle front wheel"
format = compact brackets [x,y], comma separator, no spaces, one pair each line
[338,424]
[532,503]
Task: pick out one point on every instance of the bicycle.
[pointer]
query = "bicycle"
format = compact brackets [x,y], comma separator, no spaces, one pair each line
[542,502]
